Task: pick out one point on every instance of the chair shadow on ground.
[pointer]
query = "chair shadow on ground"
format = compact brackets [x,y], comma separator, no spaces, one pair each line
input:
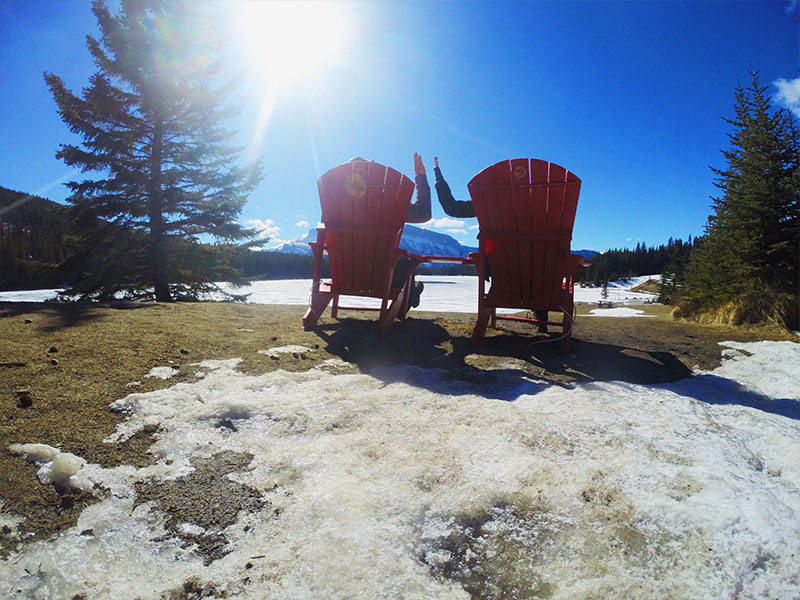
[423,353]
[68,314]
[721,391]
[504,367]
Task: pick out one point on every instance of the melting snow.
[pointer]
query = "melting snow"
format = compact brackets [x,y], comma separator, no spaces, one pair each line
[618,312]
[276,352]
[62,469]
[377,487]
[162,372]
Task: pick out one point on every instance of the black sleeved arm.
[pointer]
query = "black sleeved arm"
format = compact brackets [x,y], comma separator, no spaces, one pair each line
[455,208]
[420,209]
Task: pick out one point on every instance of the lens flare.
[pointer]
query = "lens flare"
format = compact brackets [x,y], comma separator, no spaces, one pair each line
[291,42]
[286,45]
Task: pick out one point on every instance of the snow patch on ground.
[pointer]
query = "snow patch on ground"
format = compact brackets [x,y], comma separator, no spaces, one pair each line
[376,487]
[292,349]
[62,469]
[617,312]
[162,372]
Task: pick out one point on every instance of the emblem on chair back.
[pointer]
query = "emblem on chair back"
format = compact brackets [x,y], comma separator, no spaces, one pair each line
[364,206]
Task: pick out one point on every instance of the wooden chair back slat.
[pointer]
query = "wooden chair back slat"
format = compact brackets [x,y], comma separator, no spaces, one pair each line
[531,205]
[364,205]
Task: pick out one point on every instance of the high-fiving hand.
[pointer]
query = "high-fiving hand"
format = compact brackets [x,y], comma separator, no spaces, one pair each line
[419,168]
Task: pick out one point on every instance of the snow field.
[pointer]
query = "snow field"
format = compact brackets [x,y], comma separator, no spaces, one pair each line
[441,294]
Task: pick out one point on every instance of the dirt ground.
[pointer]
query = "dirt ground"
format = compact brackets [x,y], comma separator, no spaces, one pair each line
[61,365]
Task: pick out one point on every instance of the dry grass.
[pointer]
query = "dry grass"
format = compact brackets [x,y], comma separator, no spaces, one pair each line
[63,364]
[651,286]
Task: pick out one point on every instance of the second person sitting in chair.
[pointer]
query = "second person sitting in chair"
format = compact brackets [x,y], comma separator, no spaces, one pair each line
[463,209]
[419,211]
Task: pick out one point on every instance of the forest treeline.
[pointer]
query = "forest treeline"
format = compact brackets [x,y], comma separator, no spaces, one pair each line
[33,240]
[35,244]
[623,263]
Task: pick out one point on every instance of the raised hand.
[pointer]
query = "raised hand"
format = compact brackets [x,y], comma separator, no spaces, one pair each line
[436,161]
[419,168]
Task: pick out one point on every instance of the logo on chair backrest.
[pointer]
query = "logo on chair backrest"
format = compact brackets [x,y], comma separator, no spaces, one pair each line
[520,172]
[355,184]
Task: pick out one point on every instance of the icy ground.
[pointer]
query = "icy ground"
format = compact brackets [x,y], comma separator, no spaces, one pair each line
[441,294]
[407,484]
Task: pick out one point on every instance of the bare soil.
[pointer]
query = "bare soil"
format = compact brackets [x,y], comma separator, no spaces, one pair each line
[61,365]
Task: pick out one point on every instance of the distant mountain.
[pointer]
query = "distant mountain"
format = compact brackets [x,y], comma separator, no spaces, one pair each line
[415,239]
[298,246]
[430,243]
[586,253]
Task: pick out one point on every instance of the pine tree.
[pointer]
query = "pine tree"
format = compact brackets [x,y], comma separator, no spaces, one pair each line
[153,123]
[748,262]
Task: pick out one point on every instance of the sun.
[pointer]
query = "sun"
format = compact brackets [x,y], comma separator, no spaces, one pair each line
[289,43]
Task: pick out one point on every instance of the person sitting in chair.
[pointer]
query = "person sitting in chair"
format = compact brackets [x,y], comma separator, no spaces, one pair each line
[418,212]
[463,209]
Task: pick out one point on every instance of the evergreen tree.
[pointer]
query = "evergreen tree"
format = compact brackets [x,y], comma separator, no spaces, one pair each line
[152,121]
[748,262]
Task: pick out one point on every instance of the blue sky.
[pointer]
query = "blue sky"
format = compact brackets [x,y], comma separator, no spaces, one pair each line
[628,95]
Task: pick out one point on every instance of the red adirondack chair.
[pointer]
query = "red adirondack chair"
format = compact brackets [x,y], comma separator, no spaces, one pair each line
[364,206]
[526,210]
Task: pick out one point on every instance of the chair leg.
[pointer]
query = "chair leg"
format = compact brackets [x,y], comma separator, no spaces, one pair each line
[394,310]
[566,343]
[406,304]
[541,320]
[479,333]
[319,301]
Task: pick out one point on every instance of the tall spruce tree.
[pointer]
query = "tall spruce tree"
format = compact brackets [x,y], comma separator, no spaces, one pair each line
[748,262]
[153,123]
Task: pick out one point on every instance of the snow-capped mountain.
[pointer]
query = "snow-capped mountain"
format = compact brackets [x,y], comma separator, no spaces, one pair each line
[430,243]
[416,240]
[298,246]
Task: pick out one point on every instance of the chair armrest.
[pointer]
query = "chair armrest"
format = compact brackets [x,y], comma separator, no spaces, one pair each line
[320,237]
[455,260]
[581,260]
[415,259]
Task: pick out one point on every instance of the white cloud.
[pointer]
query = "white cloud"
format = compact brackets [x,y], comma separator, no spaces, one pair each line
[457,231]
[444,223]
[474,227]
[788,94]
[266,229]
[303,224]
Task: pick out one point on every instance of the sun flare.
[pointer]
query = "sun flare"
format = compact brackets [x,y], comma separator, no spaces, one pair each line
[292,42]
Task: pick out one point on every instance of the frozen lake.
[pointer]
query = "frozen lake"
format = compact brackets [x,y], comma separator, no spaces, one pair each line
[441,294]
